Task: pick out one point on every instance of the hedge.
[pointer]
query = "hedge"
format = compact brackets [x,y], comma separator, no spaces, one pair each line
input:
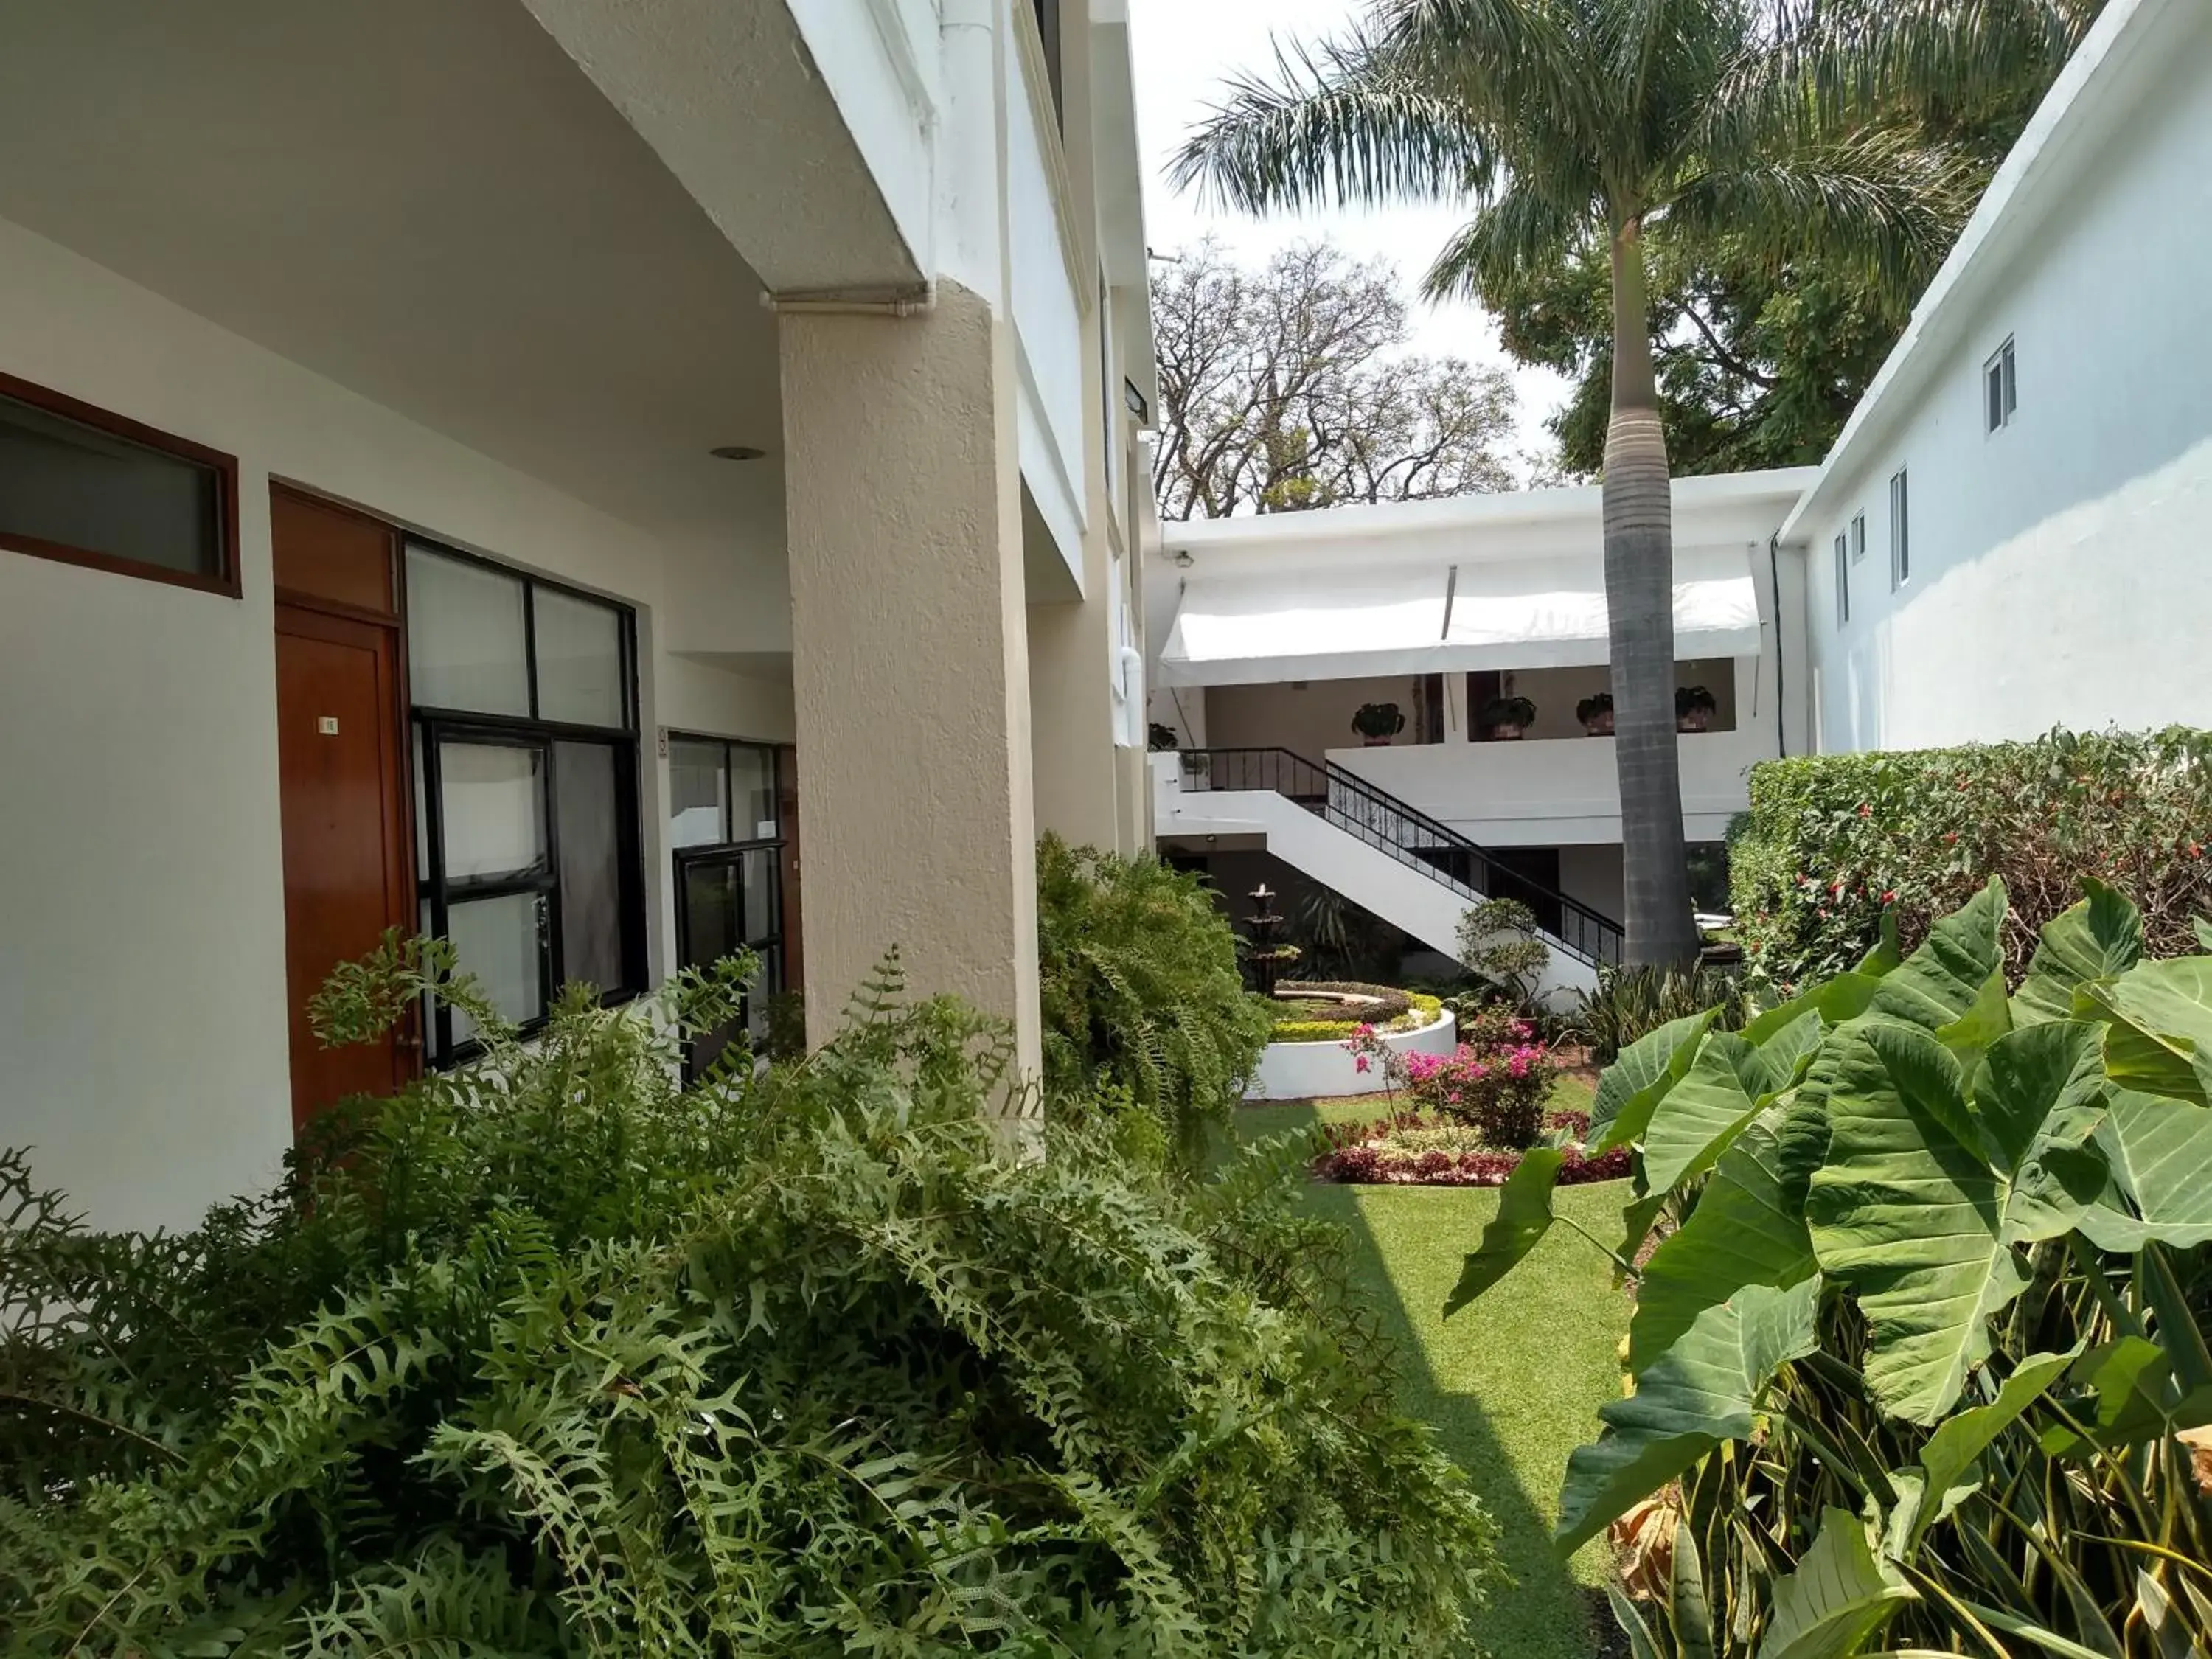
[1833,841]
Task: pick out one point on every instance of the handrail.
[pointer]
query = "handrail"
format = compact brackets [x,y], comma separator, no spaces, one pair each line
[1349,802]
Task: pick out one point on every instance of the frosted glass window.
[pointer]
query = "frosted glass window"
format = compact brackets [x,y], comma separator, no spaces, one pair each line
[752,793]
[591,864]
[580,659]
[495,805]
[67,487]
[497,940]
[698,776]
[465,636]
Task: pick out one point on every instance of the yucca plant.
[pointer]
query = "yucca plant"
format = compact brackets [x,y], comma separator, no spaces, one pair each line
[1922,1362]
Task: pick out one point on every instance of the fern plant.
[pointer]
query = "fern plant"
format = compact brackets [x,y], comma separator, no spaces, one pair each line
[1144,1007]
[560,1356]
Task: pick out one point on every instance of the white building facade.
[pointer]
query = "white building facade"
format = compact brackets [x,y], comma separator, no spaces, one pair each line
[605,483]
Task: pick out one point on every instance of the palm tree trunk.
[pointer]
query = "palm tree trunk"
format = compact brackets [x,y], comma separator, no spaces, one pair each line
[1639,594]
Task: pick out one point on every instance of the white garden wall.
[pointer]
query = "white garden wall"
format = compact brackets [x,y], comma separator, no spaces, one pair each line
[1317,1071]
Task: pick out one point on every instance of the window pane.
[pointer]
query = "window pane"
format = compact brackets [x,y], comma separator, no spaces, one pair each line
[580,661]
[495,802]
[710,913]
[588,820]
[497,940]
[697,776]
[1997,395]
[759,869]
[752,792]
[465,636]
[764,987]
[78,487]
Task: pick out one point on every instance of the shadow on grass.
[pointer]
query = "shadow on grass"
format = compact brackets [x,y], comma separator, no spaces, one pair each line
[1511,1384]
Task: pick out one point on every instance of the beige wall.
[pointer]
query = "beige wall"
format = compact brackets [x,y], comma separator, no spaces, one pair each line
[911,667]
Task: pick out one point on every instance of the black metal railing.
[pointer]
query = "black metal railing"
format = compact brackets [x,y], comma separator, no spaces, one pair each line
[1350,804]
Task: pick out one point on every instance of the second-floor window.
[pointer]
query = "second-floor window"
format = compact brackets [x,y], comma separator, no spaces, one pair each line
[1842,581]
[1900,532]
[2000,387]
[1047,17]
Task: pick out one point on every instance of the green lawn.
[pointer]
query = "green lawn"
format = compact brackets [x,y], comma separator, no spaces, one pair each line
[1512,1383]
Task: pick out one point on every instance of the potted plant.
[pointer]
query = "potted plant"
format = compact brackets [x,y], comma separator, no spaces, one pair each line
[1161,737]
[1596,716]
[1506,718]
[1378,722]
[1694,709]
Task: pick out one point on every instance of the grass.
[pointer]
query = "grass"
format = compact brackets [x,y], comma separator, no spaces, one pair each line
[1513,1383]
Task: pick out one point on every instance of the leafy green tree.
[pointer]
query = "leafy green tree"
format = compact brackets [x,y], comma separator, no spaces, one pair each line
[1581,127]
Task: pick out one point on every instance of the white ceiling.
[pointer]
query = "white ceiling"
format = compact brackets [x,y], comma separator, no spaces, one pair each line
[425,200]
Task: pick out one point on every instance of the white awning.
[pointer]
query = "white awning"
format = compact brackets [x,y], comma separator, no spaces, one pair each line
[1344,624]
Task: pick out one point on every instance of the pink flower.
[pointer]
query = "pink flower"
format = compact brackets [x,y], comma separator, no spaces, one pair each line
[1360,1063]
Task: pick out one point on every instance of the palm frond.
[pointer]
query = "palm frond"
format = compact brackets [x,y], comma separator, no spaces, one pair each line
[1342,123]
[1525,229]
[1875,200]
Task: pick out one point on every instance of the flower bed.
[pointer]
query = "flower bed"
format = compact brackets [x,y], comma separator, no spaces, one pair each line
[1415,1149]
[1331,1011]
[1306,1063]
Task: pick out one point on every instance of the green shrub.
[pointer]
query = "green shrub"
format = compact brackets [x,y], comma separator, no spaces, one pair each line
[1501,946]
[1914,1368]
[1142,1000]
[556,1356]
[1834,841]
[1631,1003]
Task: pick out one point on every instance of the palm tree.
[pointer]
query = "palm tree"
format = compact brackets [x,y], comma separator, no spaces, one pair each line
[1788,127]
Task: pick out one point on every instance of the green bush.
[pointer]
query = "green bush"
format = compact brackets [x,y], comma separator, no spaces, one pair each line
[1316,1020]
[1923,1362]
[1631,1003]
[1142,1000]
[1833,841]
[557,1356]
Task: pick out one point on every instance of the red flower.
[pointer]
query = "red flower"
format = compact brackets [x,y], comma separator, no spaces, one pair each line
[1865,810]
[1890,897]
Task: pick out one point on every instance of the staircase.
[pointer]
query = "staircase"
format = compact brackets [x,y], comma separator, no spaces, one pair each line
[1415,873]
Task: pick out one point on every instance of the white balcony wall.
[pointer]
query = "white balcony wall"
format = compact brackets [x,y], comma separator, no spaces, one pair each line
[1049,314]
[1557,793]
[2057,564]
[879,60]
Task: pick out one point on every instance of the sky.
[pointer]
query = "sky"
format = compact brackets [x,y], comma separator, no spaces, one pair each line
[1185,51]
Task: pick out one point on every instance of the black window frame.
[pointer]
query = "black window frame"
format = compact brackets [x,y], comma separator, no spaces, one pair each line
[730,851]
[227,581]
[430,727]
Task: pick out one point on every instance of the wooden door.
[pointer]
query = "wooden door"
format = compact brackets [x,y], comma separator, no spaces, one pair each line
[345,865]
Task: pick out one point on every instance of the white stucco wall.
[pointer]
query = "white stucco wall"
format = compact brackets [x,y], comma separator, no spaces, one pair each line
[143,1035]
[2059,572]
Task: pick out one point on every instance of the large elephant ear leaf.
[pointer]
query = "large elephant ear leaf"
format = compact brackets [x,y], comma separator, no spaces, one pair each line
[2160,1154]
[1748,1228]
[1908,1212]
[1939,982]
[1692,1125]
[1634,1085]
[1524,1216]
[1886,955]
[2158,1035]
[2100,938]
[1948,1460]
[1701,1391]
[1840,1595]
[2132,1396]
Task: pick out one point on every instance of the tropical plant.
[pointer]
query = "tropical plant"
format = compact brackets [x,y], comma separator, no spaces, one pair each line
[1577,126]
[1498,1089]
[1694,708]
[1833,843]
[559,1357]
[1631,1003]
[1160,738]
[1915,1367]
[1508,716]
[1341,938]
[1500,945]
[1142,1003]
[1377,721]
[1595,715]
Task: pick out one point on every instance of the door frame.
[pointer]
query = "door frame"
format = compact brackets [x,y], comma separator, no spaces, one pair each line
[303,613]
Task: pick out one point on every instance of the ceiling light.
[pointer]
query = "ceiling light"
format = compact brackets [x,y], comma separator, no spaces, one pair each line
[737,452]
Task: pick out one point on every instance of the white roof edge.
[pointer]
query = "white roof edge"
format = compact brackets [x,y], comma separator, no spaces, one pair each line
[1476,510]
[2014,191]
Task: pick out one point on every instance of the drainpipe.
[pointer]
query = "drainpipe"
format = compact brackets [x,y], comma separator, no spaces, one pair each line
[914,303]
[1774,587]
